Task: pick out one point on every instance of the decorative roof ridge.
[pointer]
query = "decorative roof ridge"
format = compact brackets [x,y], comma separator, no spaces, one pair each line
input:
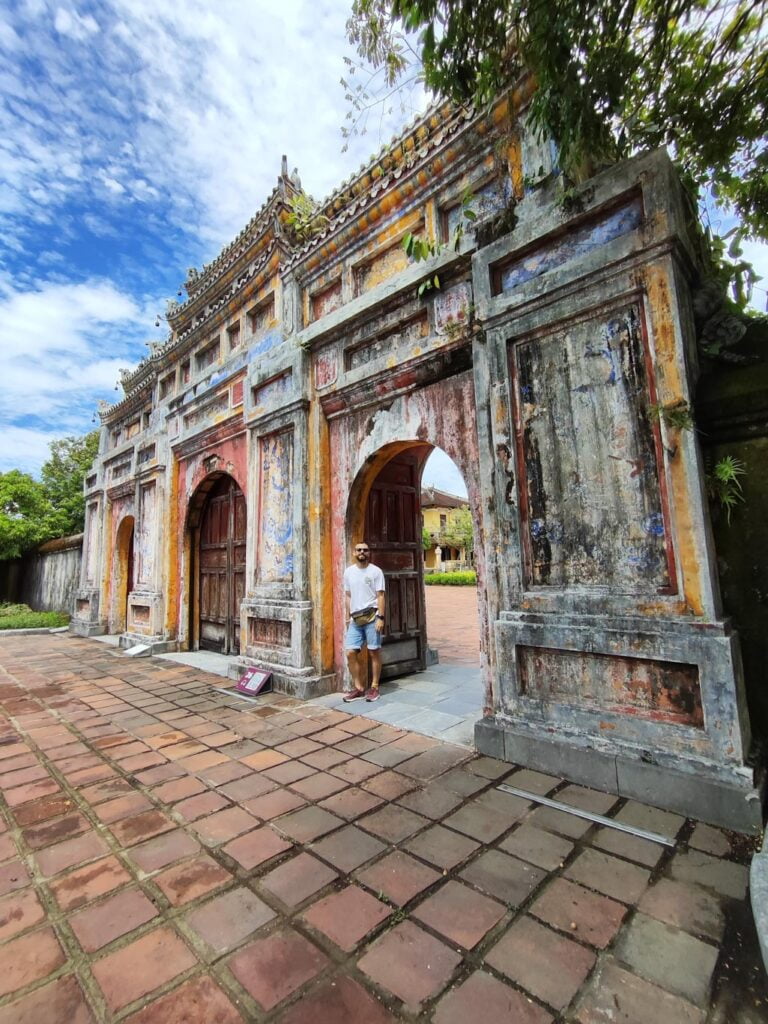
[212,271]
[107,411]
[365,185]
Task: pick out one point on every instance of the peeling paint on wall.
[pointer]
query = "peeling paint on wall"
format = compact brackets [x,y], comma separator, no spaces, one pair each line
[275,557]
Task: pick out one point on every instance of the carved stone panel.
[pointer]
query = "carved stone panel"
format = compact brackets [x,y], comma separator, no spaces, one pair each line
[592,501]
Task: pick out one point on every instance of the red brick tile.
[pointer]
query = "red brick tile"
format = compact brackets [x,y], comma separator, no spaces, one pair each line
[226,920]
[19,911]
[29,958]
[122,807]
[295,748]
[228,771]
[355,771]
[399,877]
[163,773]
[139,968]
[107,790]
[31,791]
[410,963]
[609,875]
[10,780]
[684,906]
[434,801]
[66,855]
[256,847]
[133,830]
[308,824]
[272,805]
[61,1000]
[507,878]
[201,804]
[536,846]
[248,787]
[587,916]
[389,785]
[160,852]
[13,876]
[351,803]
[291,771]
[224,825]
[348,848]
[526,954]
[264,759]
[196,1001]
[7,848]
[460,914]
[37,811]
[86,884]
[204,761]
[393,823]
[483,997]
[119,914]
[97,773]
[119,753]
[442,847]
[39,836]
[178,789]
[167,739]
[346,917]
[319,785]
[271,969]
[296,879]
[338,1001]
[191,878]
[141,762]
[326,758]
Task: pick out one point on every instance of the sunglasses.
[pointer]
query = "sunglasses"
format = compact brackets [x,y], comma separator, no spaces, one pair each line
[362,549]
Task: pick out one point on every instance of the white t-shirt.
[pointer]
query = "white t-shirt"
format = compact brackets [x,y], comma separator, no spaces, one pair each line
[362,585]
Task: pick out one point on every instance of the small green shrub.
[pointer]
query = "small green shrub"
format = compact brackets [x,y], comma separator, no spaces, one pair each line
[451,579]
[21,616]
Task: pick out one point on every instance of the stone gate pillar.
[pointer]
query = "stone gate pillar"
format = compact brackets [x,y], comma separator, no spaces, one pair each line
[615,666]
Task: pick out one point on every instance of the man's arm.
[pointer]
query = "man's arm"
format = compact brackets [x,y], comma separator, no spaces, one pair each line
[381,604]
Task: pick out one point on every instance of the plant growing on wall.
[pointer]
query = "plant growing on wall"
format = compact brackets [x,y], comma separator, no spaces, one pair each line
[724,484]
[420,249]
[304,219]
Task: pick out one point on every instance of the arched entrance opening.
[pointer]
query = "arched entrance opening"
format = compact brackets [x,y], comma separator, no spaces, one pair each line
[217,526]
[123,574]
[385,508]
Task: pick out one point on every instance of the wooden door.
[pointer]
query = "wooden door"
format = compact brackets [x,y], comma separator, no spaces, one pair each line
[222,568]
[393,532]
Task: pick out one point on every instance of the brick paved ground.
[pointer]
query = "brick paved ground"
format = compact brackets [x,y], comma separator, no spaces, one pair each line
[452,624]
[170,855]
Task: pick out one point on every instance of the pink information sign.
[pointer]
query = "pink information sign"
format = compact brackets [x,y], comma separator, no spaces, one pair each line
[254,681]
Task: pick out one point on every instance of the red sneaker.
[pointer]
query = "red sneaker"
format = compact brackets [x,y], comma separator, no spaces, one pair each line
[353,695]
[372,693]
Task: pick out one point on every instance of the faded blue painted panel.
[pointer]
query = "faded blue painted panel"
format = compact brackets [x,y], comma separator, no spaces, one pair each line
[275,546]
[265,344]
[592,498]
[573,246]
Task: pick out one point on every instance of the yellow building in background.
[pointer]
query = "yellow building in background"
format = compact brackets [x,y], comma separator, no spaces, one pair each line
[441,520]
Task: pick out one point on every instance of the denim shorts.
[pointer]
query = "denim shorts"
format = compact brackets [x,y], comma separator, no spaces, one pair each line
[359,635]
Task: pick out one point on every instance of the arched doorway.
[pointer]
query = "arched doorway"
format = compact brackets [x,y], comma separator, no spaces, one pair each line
[123,574]
[218,518]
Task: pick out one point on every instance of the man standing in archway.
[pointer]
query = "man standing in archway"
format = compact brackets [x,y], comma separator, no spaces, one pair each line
[364,603]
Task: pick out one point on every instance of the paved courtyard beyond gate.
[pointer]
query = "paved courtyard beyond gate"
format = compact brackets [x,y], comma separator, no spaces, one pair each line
[171,854]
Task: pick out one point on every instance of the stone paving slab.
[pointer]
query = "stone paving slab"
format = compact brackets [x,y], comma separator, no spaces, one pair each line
[169,854]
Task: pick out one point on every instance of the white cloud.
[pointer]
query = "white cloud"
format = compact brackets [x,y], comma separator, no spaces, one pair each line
[70,23]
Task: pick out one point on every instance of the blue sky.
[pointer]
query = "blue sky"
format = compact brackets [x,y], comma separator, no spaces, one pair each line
[136,140]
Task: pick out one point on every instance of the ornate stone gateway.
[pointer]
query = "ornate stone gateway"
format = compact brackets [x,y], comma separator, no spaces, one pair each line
[541,353]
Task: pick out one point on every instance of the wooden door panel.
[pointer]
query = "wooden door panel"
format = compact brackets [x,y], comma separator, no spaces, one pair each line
[222,554]
[393,531]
